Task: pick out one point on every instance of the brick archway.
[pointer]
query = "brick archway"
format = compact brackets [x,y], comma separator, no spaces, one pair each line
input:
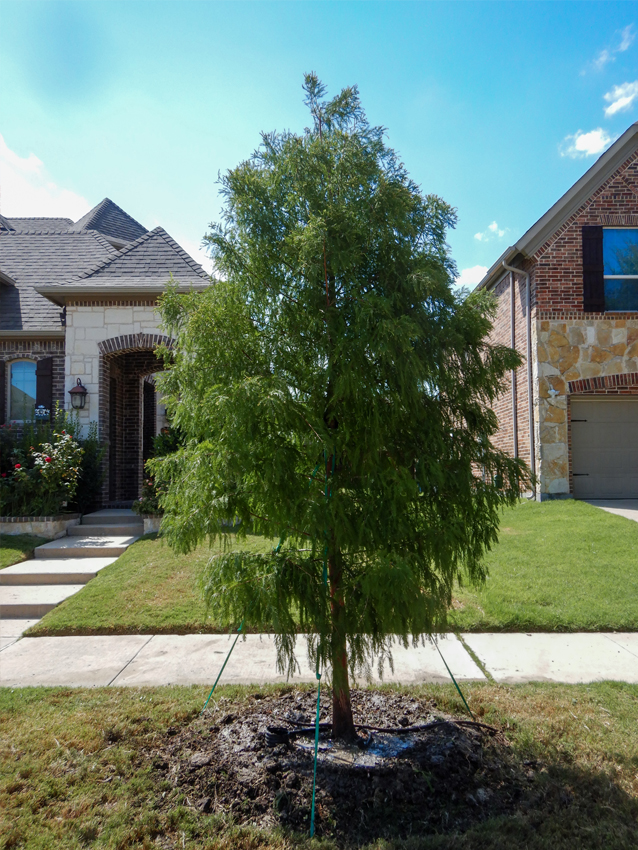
[127,410]
[604,383]
[133,342]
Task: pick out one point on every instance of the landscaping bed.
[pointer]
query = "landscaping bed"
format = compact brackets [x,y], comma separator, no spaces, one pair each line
[134,768]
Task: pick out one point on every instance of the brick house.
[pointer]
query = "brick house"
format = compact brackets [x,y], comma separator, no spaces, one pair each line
[78,303]
[567,300]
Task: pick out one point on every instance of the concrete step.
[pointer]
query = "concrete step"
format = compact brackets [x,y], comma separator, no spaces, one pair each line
[85,547]
[112,516]
[54,571]
[31,602]
[103,530]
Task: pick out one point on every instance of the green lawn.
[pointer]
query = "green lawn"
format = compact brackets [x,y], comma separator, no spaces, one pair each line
[76,770]
[148,590]
[17,547]
[559,566]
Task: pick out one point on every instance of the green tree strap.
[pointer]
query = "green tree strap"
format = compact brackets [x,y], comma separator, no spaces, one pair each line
[241,626]
[455,682]
[314,774]
[317,673]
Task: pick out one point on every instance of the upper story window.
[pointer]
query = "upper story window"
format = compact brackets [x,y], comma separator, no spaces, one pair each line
[22,390]
[620,261]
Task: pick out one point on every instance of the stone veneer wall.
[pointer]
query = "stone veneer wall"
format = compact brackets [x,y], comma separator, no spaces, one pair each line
[573,348]
[90,322]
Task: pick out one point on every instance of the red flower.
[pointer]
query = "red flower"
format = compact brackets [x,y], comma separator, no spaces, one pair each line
[4,474]
[47,460]
[18,466]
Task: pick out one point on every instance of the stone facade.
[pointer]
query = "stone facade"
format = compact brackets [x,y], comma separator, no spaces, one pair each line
[90,323]
[570,353]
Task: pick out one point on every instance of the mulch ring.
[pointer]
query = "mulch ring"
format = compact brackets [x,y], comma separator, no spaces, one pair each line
[441,779]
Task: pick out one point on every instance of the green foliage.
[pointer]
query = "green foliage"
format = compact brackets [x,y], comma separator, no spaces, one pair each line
[148,503]
[334,393]
[18,442]
[45,481]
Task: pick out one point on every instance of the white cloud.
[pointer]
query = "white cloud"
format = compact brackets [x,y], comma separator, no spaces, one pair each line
[493,231]
[626,38]
[585,144]
[26,189]
[471,276]
[602,59]
[621,98]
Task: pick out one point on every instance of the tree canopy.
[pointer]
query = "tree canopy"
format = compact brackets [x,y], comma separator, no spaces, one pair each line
[335,391]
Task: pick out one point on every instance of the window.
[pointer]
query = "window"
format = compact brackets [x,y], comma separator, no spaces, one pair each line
[620,260]
[22,390]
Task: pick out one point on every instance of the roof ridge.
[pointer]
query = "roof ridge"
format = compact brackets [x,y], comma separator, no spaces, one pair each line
[145,237]
[182,253]
[6,224]
[95,213]
[40,218]
[127,248]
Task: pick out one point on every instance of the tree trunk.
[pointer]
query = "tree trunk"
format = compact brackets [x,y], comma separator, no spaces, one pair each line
[342,721]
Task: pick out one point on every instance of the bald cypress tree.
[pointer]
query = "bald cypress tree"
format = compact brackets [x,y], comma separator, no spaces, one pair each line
[335,392]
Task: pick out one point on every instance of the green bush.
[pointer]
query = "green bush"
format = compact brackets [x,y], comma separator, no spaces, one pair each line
[21,445]
[165,443]
[45,481]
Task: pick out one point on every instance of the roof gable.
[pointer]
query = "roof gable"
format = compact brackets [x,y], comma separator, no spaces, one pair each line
[152,258]
[111,221]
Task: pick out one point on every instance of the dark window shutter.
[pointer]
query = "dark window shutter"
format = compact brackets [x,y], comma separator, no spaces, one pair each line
[44,384]
[3,392]
[593,270]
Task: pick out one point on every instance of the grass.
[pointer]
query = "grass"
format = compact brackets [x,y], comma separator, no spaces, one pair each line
[148,590]
[17,547]
[75,770]
[558,566]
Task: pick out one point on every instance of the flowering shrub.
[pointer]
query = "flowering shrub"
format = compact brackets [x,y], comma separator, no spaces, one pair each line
[43,481]
[148,503]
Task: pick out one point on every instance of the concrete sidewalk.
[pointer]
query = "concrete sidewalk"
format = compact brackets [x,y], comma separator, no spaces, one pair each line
[151,660]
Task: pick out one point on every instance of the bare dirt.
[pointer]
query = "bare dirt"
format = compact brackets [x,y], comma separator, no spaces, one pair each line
[446,778]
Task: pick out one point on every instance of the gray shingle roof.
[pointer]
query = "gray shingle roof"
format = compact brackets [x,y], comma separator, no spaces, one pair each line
[35,257]
[151,259]
[111,221]
[5,224]
[40,223]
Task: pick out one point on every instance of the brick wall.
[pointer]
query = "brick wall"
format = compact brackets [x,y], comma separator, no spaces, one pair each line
[501,334]
[570,347]
[558,264]
[122,378]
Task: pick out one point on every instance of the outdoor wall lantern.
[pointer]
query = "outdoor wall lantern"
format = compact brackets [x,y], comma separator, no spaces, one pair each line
[78,396]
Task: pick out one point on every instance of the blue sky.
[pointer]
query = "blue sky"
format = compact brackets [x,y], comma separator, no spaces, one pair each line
[496,107]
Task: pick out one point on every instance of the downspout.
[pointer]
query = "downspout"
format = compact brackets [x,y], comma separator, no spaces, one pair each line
[530,398]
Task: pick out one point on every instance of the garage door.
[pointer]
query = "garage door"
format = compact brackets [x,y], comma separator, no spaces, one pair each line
[605,448]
